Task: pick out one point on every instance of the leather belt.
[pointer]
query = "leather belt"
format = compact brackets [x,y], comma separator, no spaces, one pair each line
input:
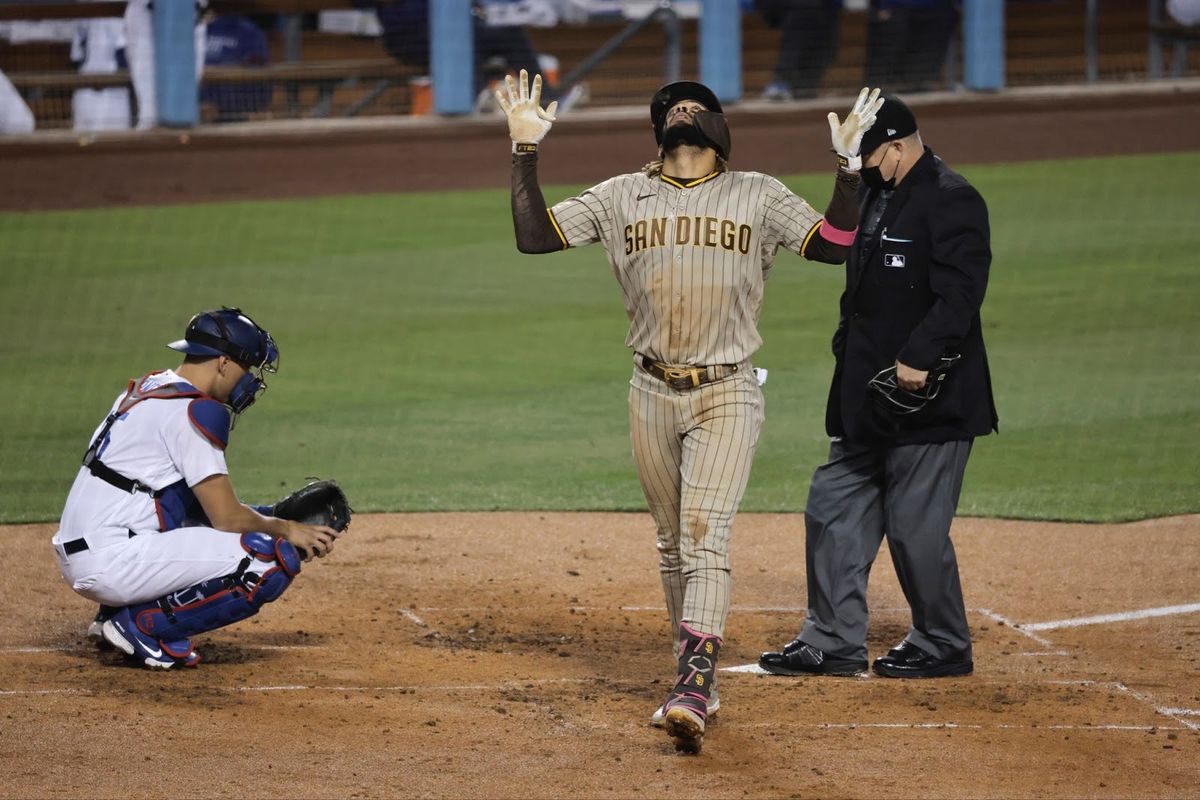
[684,378]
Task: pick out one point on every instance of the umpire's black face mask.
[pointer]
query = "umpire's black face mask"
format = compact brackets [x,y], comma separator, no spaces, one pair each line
[873,176]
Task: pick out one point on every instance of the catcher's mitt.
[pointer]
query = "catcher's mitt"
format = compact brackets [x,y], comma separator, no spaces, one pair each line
[316,503]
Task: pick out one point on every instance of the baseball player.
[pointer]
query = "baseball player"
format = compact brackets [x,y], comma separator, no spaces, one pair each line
[691,245]
[15,115]
[98,48]
[152,529]
[139,35]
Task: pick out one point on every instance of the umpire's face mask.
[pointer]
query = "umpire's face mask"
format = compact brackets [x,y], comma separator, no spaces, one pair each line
[873,176]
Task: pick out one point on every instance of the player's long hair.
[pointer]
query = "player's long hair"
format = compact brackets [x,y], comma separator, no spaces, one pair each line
[655,167]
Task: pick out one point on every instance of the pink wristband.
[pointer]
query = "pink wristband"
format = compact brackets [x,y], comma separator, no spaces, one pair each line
[836,235]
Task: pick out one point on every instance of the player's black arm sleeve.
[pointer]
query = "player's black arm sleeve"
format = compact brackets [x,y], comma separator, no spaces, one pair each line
[535,230]
[831,241]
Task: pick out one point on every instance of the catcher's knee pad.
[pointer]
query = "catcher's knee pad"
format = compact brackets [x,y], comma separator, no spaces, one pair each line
[261,577]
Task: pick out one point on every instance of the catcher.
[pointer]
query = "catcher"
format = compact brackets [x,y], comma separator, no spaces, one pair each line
[152,529]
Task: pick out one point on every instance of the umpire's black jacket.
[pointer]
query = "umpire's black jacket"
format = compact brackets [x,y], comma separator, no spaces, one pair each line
[913,292]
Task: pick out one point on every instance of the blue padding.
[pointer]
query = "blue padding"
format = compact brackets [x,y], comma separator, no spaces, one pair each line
[287,556]
[221,601]
[268,549]
[175,63]
[177,507]
[212,419]
[259,544]
[452,56]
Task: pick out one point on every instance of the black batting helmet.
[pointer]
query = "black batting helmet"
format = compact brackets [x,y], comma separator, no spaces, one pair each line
[673,93]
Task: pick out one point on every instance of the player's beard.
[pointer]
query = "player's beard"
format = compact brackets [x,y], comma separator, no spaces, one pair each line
[684,133]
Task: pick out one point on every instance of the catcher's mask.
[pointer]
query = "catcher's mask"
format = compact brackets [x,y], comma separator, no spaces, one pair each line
[711,124]
[890,397]
[229,332]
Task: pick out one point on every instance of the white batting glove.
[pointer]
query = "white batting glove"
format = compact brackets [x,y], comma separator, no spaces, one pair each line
[528,122]
[847,136]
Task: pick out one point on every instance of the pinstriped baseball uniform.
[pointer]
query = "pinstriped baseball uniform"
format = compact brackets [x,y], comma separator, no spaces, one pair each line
[691,259]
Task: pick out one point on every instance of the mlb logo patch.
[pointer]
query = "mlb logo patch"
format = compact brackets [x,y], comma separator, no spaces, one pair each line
[893,260]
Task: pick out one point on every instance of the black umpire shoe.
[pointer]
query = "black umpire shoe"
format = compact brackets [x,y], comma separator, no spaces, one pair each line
[799,658]
[906,660]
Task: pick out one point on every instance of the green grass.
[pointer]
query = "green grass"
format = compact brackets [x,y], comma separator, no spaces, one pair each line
[428,365]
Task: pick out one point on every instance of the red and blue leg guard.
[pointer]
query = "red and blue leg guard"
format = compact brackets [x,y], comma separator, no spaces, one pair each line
[261,577]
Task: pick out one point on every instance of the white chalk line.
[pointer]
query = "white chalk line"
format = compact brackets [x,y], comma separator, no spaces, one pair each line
[1176,714]
[1101,619]
[726,723]
[73,648]
[1003,620]
[1164,710]
[300,687]
[963,726]
[420,623]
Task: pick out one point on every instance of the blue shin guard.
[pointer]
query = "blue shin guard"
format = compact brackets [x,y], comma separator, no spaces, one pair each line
[261,577]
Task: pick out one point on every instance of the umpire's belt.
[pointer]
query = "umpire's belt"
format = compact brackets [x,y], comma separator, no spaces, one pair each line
[684,378]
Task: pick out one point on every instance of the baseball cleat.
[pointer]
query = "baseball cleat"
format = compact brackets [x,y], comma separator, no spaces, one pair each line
[95,632]
[658,718]
[121,632]
[686,726]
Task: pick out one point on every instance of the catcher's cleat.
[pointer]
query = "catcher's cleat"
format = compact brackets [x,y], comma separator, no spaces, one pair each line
[658,718]
[685,722]
[95,632]
[121,632]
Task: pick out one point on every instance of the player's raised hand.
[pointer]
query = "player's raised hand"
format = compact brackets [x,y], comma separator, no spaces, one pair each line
[528,122]
[847,136]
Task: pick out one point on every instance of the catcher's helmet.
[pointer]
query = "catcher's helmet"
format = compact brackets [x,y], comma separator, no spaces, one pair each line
[890,397]
[229,332]
[675,92]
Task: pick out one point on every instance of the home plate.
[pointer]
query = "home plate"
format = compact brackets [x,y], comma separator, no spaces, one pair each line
[753,669]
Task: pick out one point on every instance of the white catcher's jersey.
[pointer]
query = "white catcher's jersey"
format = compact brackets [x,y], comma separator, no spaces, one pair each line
[154,442]
[691,258]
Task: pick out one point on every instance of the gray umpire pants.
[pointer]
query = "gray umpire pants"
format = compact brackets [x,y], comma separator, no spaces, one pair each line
[908,493]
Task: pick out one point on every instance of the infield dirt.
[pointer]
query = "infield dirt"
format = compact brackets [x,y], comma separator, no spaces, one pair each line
[521,655]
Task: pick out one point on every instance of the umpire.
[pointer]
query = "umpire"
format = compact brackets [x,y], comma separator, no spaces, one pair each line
[910,393]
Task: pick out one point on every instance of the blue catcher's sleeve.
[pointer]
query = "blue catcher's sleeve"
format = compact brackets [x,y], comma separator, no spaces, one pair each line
[212,419]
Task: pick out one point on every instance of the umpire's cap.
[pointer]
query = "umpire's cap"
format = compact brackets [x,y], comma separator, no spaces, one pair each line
[893,121]
[675,92]
[229,332]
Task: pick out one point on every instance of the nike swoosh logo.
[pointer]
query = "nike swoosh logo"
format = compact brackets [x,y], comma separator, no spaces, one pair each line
[887,238]
[644,196]
[154,653]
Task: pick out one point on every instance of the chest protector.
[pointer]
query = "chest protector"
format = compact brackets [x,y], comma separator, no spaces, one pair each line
[175,502]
